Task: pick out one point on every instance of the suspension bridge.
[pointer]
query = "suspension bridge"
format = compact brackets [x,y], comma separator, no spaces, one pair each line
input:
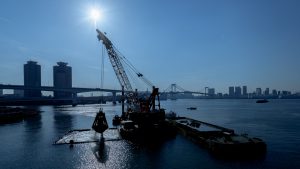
[174,91]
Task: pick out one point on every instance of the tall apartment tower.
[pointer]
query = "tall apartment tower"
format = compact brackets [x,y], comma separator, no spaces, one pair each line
[238,91]
[62,78]
[267,92]
[258,91]
[274,92]
[245,91]
[231,91]
[32,78]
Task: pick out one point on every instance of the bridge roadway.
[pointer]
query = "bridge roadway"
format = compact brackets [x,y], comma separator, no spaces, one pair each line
[184,92]
[51,88]
[79,89]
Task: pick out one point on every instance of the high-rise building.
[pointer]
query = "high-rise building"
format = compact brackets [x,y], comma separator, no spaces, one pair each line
[231,91]
[32,78]
[238,91]
[267,92]
[286,93]
[258,91]
[274,92]
[62,78]
[245,91]
[211,91]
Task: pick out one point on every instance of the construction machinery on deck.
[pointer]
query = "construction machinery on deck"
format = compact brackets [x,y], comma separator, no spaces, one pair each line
[144,113]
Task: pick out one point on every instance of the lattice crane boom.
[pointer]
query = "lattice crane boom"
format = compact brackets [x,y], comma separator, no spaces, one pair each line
[115,61]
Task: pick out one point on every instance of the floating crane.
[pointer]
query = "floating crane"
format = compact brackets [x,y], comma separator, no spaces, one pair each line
[144,113]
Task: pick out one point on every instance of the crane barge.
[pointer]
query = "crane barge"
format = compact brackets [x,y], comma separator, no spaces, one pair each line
[143,117]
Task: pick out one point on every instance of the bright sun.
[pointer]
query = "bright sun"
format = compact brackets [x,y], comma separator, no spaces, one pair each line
[95,15]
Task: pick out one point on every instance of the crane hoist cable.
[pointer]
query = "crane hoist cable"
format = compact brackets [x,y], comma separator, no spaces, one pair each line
[134,69]
[102,69]
[116,58]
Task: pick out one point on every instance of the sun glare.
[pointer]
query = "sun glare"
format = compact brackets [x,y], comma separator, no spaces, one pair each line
[95,15]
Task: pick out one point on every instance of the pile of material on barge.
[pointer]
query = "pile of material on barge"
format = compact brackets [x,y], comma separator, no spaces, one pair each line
[220,140]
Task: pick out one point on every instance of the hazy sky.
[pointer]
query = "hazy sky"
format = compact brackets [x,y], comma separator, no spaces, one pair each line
[194,43]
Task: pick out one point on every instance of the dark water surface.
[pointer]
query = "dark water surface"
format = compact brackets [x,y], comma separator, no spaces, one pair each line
[28,144]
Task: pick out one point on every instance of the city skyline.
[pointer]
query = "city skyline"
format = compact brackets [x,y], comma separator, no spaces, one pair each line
[62,78]
[196,44]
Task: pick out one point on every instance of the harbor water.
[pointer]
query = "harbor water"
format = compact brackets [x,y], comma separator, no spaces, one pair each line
[28,144]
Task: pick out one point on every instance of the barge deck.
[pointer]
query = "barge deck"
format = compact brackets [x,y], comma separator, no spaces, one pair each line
[220,140]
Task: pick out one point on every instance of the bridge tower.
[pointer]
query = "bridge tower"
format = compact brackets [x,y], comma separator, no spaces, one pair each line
[114,97]
[173,88]
[173,92]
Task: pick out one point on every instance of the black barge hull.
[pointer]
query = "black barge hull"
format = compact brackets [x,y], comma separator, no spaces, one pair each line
[220,140]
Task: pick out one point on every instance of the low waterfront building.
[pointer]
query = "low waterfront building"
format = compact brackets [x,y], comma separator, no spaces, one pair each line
[211,91]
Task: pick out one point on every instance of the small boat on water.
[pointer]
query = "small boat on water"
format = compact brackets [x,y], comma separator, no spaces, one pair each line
[262,101]
[192,108]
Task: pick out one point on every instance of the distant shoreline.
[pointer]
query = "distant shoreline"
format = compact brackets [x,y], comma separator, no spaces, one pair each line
[26,102]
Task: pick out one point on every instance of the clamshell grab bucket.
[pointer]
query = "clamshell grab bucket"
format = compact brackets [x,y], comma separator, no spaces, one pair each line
[100,123]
